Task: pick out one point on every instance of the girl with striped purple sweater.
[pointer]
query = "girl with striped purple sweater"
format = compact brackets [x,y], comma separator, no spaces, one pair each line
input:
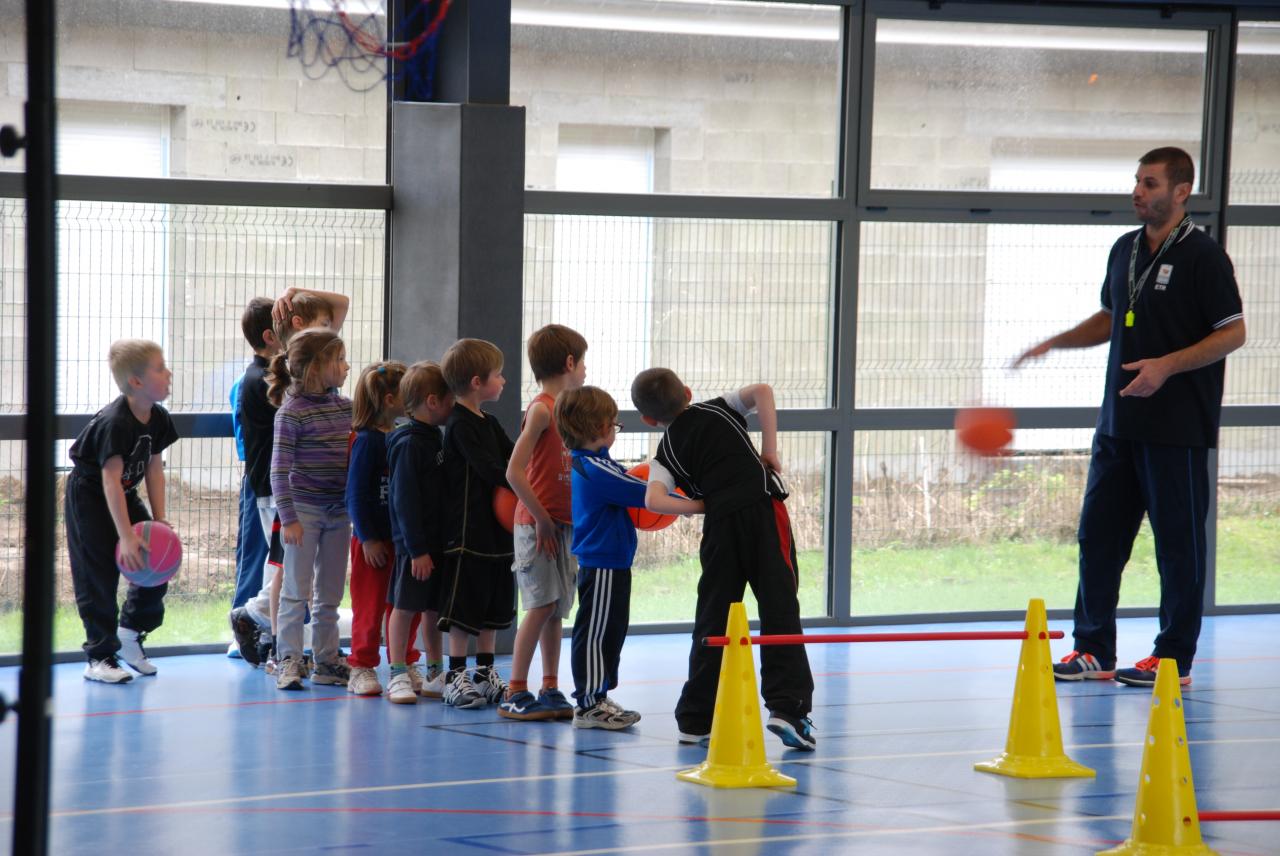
[309,481]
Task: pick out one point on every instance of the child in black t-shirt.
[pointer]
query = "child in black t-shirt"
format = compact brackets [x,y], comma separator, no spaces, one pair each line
[479,589]
[746,540]
[118,450]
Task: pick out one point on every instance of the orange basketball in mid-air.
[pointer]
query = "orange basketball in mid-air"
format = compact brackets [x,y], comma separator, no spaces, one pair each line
[504,508]
[643,518]
[985,430]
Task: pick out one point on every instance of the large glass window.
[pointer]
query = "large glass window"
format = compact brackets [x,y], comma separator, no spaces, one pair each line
[180,275]
[240,92]
[723,97]
[944,308]
[1255,130]
[936,529]
[724,303]
[1022,107]
[1248,524]
[1251,372]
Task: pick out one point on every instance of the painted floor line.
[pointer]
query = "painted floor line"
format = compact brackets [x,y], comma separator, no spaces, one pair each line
[977,754]
[861,833]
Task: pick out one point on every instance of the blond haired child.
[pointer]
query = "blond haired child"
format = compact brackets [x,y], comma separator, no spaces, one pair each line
[308,481]
[119,449]
[539,473]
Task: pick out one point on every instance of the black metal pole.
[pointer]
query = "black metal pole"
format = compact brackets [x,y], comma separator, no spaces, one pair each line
[35,686]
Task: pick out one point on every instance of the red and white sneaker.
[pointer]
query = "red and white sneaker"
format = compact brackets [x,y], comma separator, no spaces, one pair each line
[1084,667]
[1143,673]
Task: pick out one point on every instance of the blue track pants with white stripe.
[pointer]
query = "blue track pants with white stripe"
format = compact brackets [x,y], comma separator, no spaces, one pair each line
[599,629]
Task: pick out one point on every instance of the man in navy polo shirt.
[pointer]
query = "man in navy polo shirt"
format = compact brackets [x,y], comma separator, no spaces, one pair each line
[1171,310]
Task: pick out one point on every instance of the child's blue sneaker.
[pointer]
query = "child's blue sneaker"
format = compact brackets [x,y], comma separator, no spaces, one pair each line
[524,705]
[1143,673]
[795,731]
[555,701]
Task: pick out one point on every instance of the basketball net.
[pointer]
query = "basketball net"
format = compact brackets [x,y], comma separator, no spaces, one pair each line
[351,37]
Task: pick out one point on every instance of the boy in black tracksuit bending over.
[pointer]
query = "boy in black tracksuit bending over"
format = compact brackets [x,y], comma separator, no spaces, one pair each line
[746,540]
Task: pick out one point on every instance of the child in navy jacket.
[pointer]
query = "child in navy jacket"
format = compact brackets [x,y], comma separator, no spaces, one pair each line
[604,542]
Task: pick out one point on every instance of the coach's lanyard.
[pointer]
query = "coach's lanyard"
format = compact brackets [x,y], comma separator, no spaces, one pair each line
[1135,286]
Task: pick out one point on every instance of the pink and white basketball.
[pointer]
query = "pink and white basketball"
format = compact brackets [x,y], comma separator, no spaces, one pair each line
[161,551]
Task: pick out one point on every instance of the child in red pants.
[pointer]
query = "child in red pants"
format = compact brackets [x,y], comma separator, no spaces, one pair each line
[376,404]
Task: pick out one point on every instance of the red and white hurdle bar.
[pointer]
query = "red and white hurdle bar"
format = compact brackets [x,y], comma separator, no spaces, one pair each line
[818,638]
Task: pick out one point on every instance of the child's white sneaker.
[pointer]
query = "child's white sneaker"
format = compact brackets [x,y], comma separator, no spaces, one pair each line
[364,682]
[106,671]
[289,673]
[415,677]
[400,690]
[433,683]
[132,652]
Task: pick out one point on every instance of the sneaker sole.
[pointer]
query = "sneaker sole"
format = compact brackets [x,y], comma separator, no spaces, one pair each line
[472,705]
[145,674]
[402,699]
[694,740]
[125,680]
[1142,682]
[790,738]
[430,694]
[290,687]
[329,682]
[1086,676]
[604,726]
[365,694]
[526,717]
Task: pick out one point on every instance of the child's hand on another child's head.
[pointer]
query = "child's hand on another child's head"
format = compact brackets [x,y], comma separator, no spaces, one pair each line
[772,461]
[284,304]
[422,566]
[131,548]
[291,533]
[376,552]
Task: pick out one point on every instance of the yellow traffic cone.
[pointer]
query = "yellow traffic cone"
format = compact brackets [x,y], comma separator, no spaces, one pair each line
[1033,749]
[1165,819]
[735,758]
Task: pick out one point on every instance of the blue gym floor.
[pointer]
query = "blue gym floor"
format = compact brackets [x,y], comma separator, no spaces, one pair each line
[208,757]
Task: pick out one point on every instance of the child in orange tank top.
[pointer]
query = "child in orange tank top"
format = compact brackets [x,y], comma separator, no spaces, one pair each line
[546,572]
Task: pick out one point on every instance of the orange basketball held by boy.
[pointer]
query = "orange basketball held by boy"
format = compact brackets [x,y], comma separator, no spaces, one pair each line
[161,555]
[644,519]
[504,507]
[985,430]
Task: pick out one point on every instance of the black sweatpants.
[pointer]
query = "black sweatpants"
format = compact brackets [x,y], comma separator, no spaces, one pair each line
[752,546]
[91,543]
[1170,484]
[599,629]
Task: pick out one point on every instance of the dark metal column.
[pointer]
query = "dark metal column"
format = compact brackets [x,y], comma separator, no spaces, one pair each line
[35,686]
